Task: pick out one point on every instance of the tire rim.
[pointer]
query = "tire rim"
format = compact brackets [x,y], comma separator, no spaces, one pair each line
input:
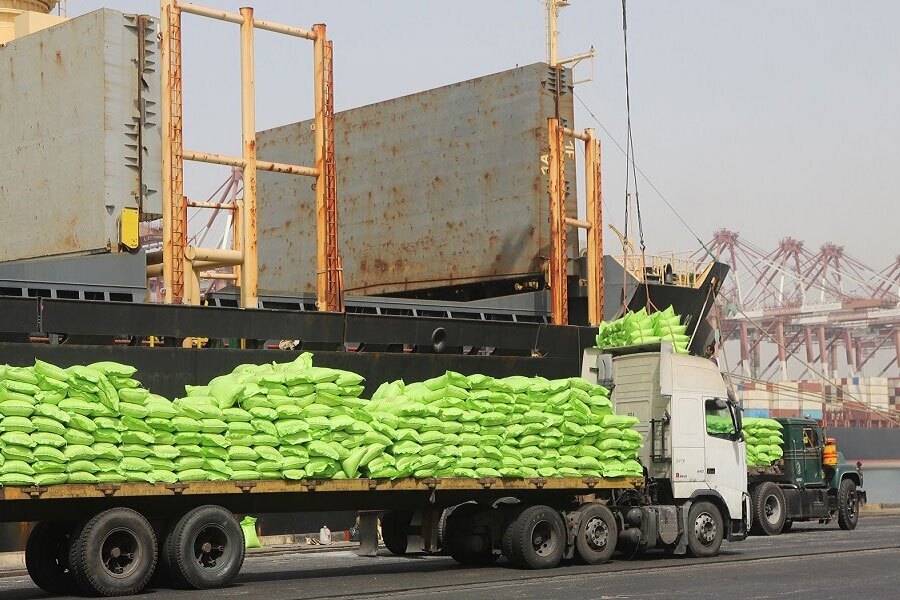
[120,553]
[543,541]
[211,548]
[596,533]
[772,509]
[852,501]
[705,529]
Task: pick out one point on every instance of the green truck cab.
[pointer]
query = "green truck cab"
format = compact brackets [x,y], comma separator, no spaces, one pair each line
[802,486]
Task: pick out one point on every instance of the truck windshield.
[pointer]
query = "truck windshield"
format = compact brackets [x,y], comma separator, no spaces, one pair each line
[719,419]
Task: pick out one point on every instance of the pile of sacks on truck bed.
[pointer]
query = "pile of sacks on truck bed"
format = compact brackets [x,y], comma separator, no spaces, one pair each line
[640,328]
[97,424]
[764,439]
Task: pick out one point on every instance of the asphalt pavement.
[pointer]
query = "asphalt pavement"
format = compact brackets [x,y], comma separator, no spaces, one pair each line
[813,561]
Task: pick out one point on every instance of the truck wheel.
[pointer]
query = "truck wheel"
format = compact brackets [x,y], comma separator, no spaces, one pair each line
[537,538]
[395,530]
[848,505]
[113,553]
[47,557]
[464,544]
[597,535]
[787,526]
[506,539]
[204,549]
[706,529]
[769,510]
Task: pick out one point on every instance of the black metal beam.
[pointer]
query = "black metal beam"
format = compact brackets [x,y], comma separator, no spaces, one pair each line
[19,315]
[127,319]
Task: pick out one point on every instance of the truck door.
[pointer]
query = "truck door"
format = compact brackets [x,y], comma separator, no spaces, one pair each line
[688,461]
[813,473]
[726,462]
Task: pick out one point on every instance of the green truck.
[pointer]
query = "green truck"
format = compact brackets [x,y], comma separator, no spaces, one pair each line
[804,485]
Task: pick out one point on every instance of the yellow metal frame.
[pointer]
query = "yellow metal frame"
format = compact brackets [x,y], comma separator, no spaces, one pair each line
[180,272]
[559,222]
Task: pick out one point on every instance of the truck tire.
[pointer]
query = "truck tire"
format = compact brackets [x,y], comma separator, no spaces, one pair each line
[204,549]
[395,530]
[769,509]
[463,543]
[848,505]
[113,553]
[597,534]
[788,523]
[537,538]
[706,530]
[47,557]
[506,539]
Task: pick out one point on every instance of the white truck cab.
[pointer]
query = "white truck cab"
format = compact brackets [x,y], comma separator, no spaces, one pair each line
[676,397]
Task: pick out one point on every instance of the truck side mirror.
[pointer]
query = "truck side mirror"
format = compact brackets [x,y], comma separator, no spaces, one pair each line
[737,414]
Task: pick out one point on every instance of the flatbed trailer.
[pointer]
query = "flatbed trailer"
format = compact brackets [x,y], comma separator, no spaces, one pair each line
[159,500]
[110,539]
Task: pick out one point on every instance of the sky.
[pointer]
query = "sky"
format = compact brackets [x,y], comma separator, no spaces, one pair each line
[769,118]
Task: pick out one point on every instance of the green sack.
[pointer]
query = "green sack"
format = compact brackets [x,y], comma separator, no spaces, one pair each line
[16,408]
[16,466]
[51,371]
[160,408]
[186,424]
[137,411]
[75,436]
[193,475]
[619,421]
[163,476]
[107,451]
[17,438]
[16,479]
[137,437]
[78,407]
[16,452]
[248,527]
[198,407]
[49,454]
[108,367]
[135,450]
[26,425]
[134,396]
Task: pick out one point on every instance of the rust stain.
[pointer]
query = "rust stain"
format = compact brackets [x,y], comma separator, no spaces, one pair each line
[59,57]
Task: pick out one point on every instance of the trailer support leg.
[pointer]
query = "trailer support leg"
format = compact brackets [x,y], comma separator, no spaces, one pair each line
[431,519]
[368,533]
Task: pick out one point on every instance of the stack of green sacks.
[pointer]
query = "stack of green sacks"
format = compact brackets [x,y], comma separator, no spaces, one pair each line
[272,421]
[97,424]
[84,424]
[638,328]
[477,426]
[764,439]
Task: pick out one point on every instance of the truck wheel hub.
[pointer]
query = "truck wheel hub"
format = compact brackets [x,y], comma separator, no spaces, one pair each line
[542,540]
[597,533]
[705,528]
[773,509]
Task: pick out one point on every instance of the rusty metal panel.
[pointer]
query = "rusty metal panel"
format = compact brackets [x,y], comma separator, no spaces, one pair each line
[79,135]
[442,187]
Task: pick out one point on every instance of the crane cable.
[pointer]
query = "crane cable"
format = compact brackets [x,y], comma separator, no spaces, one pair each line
[632,170]
[631,174]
